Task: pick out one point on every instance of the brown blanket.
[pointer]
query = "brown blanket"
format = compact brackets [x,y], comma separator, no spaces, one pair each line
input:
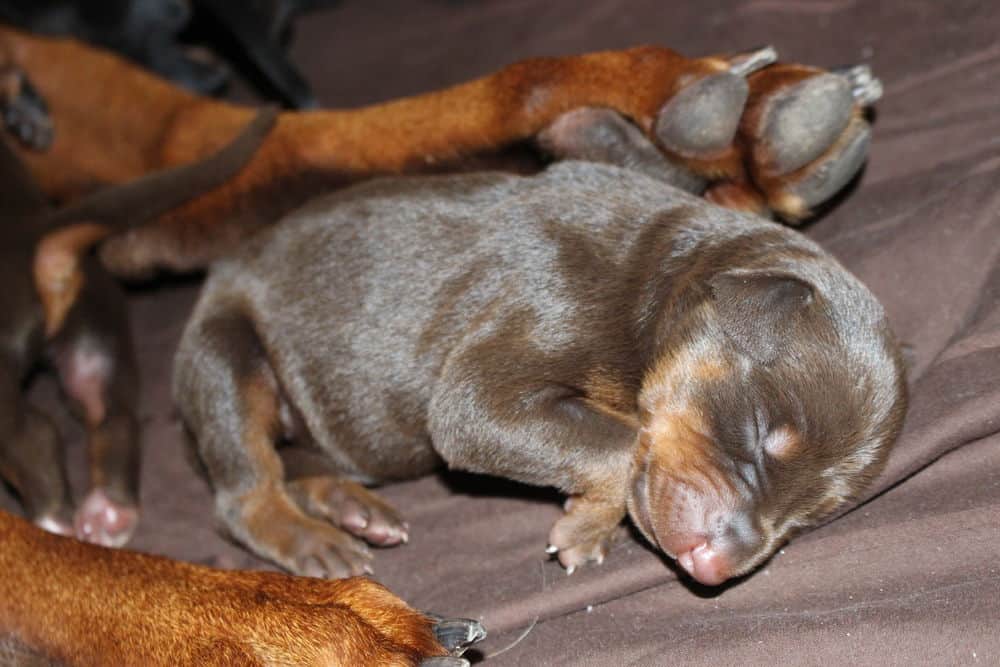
[911,577]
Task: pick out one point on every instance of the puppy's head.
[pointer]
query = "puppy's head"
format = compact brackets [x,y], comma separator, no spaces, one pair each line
[768,407]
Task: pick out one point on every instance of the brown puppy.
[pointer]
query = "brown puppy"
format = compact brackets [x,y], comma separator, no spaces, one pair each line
[751,134]
[78,324]
[718,376]
[69,603]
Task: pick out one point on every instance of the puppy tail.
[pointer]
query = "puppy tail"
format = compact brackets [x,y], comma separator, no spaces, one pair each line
[75,229]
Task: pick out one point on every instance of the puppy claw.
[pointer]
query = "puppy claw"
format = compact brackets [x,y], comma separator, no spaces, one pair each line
[865,87]
[747,63]
[551,549]
[456,635]
[579,555]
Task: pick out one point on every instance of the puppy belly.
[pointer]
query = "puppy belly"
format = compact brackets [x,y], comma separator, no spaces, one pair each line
[383,461]
[371,449]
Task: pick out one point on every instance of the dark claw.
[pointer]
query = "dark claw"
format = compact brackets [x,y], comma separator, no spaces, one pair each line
[701,120]
[445,661]
[804,120]
[745,64]
[458,634]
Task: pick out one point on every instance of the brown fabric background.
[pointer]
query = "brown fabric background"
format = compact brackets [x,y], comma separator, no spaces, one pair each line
[912,577]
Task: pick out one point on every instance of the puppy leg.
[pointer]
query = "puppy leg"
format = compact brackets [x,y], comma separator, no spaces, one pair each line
[31,457]
[229,398]
[316,485]
[96,363]
[558,436]
[350,506]
[152,611]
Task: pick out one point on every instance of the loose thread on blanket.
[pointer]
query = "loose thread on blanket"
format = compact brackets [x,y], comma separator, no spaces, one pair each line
[527,631]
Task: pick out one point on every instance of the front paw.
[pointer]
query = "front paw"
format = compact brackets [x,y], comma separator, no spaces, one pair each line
[585,532]
[351,507]
[763,137]
[276,529]
[317,549]
[805,133]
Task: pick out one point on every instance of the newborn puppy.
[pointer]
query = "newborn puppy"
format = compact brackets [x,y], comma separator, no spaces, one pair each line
[718,377]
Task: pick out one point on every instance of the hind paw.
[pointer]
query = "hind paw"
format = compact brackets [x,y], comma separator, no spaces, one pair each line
[101,520]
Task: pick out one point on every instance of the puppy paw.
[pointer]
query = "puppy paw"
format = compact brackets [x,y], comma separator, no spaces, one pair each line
[806,134]
[701,119]
[697,122]
[585,532]
[352,507]
[101,520]
[323,551]
[751,134]
[274,527]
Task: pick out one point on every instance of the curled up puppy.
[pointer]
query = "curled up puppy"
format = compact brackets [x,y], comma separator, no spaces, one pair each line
[717,377]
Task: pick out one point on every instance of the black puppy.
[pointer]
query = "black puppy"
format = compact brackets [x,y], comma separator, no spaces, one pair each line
[83,330]
[153,33]
[719,377]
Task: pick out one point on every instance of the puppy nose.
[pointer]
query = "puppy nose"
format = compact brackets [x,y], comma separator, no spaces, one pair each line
[706,564]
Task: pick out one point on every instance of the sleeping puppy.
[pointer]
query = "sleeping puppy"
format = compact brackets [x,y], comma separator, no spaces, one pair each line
[719,378]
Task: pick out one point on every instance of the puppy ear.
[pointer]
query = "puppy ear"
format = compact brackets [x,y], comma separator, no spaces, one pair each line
[759,310]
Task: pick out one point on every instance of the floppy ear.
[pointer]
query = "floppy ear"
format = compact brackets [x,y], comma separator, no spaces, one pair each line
[759,310]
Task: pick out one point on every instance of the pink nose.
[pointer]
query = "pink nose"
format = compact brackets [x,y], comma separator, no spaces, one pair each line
[705,564]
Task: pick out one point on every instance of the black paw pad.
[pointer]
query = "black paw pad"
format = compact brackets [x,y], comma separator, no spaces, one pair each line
[803,121]
[836,169]
[701,120]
